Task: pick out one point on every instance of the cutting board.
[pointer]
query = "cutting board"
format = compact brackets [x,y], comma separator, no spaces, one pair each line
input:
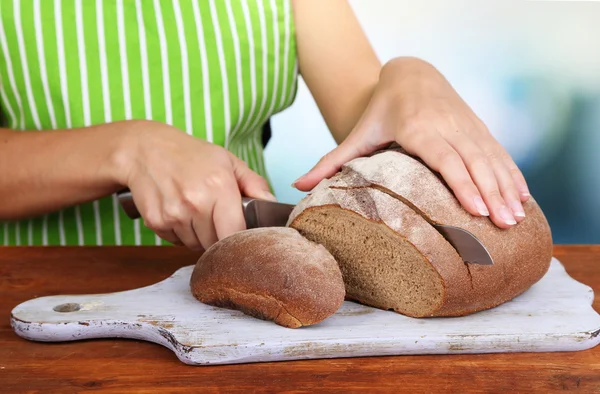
[553,315]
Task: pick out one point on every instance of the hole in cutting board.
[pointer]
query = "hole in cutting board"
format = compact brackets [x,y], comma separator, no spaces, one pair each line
[69,307]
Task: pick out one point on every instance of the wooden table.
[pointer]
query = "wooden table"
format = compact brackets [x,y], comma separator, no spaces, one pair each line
[120,365]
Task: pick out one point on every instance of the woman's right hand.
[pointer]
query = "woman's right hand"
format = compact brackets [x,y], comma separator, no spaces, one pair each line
[187,190]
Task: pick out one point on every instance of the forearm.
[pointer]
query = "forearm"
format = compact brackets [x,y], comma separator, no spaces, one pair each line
[45,171]
[342,122]
[336,61]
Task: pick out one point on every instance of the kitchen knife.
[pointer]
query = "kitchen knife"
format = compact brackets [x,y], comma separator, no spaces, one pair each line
[258,213]
[263,213]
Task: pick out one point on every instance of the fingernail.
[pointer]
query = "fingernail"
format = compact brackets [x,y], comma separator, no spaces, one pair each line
[524,191]
[480,205]
[268,196]
[517,209]
[507,216]
[298,180]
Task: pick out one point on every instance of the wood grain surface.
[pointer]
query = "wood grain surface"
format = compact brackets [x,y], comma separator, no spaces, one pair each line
[121,365]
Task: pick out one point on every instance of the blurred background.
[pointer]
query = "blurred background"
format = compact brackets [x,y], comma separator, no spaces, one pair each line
[529,69]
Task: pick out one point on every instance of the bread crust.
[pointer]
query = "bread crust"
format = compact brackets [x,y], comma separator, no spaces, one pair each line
[270,273]
[521,254]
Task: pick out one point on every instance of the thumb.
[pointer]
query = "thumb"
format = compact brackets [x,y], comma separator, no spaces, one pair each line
[352,147]
[249,182]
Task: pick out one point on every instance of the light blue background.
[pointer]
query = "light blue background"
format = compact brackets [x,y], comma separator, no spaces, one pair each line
[529,69]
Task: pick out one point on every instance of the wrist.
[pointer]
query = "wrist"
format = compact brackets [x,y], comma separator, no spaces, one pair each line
[407,78]
[124,150]
[405,64]
[403,70]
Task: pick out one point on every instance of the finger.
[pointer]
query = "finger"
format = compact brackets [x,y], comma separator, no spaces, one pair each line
[148,203]
[186,233]
[187,212]
[514,170]
[249,183]
[441,157]
[169,236]
[506,182]
[351,148]
[176,222]
[483,175]
[153,219]
[228,216]
[203,226]
[518,178]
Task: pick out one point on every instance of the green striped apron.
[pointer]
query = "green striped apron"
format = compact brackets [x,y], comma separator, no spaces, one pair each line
[216,69]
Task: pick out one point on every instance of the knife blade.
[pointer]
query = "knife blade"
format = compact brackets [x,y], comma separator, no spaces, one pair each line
[263,213]
[468,246]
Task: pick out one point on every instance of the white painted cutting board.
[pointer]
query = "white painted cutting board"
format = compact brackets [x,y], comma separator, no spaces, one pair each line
[554,315]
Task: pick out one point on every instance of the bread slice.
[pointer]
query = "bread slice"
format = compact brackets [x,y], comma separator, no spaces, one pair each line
[271,274]
[394,259]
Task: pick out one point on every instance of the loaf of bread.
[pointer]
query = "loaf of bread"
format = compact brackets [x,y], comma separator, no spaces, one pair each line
[271,274]
[375,218]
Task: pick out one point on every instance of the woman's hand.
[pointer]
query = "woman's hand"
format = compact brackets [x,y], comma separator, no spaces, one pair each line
[416,107]
[187,190]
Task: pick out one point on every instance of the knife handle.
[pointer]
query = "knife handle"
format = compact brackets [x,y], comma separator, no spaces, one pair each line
[126,201]
[128,205]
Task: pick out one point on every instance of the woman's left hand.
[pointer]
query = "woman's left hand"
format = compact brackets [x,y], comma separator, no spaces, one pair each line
[415,106]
